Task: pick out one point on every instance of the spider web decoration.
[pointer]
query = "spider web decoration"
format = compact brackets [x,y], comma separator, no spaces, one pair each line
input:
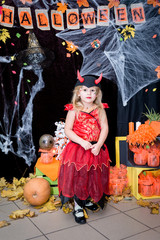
[21,142]
[23,134]
[130,63]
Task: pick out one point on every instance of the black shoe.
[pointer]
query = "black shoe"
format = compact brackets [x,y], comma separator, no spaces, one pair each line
[80,220]
[94,207]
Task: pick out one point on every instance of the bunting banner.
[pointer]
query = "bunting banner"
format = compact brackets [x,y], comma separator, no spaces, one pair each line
[42,19]
[25,18]
[72,19]
[57,20]
[7,16]
[137,12]
[103,16]
[88,16]
[121,14]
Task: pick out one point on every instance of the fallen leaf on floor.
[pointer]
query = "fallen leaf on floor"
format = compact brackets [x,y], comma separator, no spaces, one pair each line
[22,213]
[51,205]
[116,199]
[154,211]
[154,208]
[67,207]
[3,183]
[4,223]
[143,203]
[12,195]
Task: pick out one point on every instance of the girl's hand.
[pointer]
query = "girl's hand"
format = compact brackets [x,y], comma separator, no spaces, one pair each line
[86,145]
[95,149]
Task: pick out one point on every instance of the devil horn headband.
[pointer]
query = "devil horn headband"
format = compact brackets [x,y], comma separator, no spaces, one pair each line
[80,78]
[96,81]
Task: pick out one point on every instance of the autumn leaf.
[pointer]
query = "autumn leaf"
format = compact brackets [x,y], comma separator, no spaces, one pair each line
[4,35]
[113,3]
[22,213]
[154,211]
[12,195]
[3,183]
[153,2]
[4,223]
[51,205]
[71,47]
[143,203]
[116,199]
[16,183]
[62,7]
[154,207]
[67,207]
[82,3]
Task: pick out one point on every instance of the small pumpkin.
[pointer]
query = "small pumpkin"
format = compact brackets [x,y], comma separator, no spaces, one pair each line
[37,191]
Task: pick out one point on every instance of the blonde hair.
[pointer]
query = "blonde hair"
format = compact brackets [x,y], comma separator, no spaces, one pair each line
[76,100]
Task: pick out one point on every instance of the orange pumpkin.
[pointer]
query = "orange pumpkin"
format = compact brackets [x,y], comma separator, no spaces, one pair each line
[37,191]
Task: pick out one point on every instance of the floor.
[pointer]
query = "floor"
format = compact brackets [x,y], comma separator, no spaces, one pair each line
[122,220]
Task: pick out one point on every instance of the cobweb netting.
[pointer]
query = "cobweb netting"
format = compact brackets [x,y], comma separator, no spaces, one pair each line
[19,140]
[130,63]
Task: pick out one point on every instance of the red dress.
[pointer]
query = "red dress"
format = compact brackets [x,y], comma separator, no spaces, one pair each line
[82,174]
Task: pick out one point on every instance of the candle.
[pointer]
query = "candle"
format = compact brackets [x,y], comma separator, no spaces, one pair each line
[131,128]
[137,125]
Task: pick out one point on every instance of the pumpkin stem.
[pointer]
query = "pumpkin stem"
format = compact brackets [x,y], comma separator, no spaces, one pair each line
[34,195]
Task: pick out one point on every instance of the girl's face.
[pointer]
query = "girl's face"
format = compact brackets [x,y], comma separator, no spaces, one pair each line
[87,95]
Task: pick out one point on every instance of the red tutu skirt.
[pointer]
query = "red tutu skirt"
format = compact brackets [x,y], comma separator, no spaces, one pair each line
[82,174]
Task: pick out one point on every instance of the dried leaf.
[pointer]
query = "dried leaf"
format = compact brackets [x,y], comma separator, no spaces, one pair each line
[52,198]
[82,3]
[49,206]
[153,2]
[58,203]
[154,205]
[4,35]
[154,211]
[143,203]
[62,7]
[31,214]
[4,223]
[21,214]
[12,195]
[3,183]
[113,3]
[67,207]
[71,47]
[117,199]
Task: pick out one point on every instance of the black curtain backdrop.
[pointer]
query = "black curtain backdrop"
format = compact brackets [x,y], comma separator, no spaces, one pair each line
[48,104]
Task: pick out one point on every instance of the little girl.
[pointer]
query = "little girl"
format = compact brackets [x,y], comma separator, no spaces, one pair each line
[84,171]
